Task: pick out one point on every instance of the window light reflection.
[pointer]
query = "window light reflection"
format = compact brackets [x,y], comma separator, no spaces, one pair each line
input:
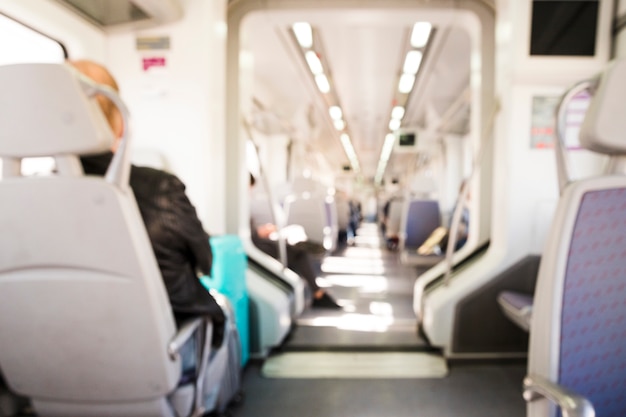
[367,240]
[355,322]
[335,265]
[369,284]
[369,253]
[379,308]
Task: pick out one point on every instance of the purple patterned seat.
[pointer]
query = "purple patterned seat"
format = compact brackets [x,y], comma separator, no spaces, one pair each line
[593,317]
[577,356]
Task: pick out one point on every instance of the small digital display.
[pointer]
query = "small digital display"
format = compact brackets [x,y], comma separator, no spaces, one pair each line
[406,139]
[564,27]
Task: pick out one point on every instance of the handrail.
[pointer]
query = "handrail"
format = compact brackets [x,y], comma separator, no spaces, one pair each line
[118,172]
[562,160]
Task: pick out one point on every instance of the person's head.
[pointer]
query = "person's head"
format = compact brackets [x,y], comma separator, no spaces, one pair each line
[101,75]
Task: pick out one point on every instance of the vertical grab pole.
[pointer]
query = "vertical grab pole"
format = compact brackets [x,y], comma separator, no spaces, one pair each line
[282,245]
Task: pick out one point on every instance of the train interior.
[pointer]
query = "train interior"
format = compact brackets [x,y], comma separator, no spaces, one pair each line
[454,171]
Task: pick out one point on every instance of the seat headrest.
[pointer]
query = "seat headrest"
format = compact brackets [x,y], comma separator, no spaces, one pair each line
[604,127]
[45,110]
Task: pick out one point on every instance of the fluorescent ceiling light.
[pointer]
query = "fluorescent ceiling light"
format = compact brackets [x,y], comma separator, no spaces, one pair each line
[390,140]
[394,124]
[406,83]
[397,113]
[349,149]
[412,62]
[335,112]
[322,83]
[385,154]
[420,35]
[347,145]
[314,62]
[304,34]
[339,124]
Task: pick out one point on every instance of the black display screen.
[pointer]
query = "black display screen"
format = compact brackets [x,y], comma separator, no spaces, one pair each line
[564,28]
[406,139]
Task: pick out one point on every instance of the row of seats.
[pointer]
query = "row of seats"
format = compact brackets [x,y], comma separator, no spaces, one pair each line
[323,217]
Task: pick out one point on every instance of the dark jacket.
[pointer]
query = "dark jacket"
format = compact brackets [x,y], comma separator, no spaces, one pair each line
[180,244]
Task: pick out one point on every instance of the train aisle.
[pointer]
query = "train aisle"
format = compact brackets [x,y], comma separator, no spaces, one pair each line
[376,292]
[367,360]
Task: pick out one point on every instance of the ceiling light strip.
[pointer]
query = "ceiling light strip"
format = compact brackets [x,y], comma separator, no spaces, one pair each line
[385,154]
[397,112]
[350,152]
[406,83]
[304,34]
[315,65]
[335,112]
[420,34]
[322,83]
[412,62]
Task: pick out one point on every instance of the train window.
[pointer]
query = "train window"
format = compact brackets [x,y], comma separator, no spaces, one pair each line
[28,45]
[564,27]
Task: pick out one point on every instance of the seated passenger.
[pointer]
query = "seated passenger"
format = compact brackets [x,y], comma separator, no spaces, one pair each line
[463,229]
[180,244]
[298,259]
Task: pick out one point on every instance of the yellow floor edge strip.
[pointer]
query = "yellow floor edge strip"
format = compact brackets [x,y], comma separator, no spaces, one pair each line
[355,365]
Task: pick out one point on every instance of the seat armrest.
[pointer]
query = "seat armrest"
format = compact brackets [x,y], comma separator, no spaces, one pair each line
[202,327]
[571,404]
[182,335]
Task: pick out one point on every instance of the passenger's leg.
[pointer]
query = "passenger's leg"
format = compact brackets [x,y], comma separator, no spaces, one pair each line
[300,262]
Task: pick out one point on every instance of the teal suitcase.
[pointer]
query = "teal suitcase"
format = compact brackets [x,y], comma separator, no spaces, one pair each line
[228,277]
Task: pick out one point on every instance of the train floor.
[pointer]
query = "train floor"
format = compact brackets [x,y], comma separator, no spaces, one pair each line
[367,359]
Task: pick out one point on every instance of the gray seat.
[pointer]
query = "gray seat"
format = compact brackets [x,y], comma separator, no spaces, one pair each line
[577,358]
[87,328]
[517,306]
[317,214]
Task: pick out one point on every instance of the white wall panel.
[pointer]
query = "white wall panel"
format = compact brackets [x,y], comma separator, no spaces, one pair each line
[178,109]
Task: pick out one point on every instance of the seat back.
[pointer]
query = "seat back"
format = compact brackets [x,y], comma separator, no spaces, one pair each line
[317,214]
[578,327]
[421,218]
[85,321]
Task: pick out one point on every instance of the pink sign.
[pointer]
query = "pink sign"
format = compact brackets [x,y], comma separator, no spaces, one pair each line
[153,62]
